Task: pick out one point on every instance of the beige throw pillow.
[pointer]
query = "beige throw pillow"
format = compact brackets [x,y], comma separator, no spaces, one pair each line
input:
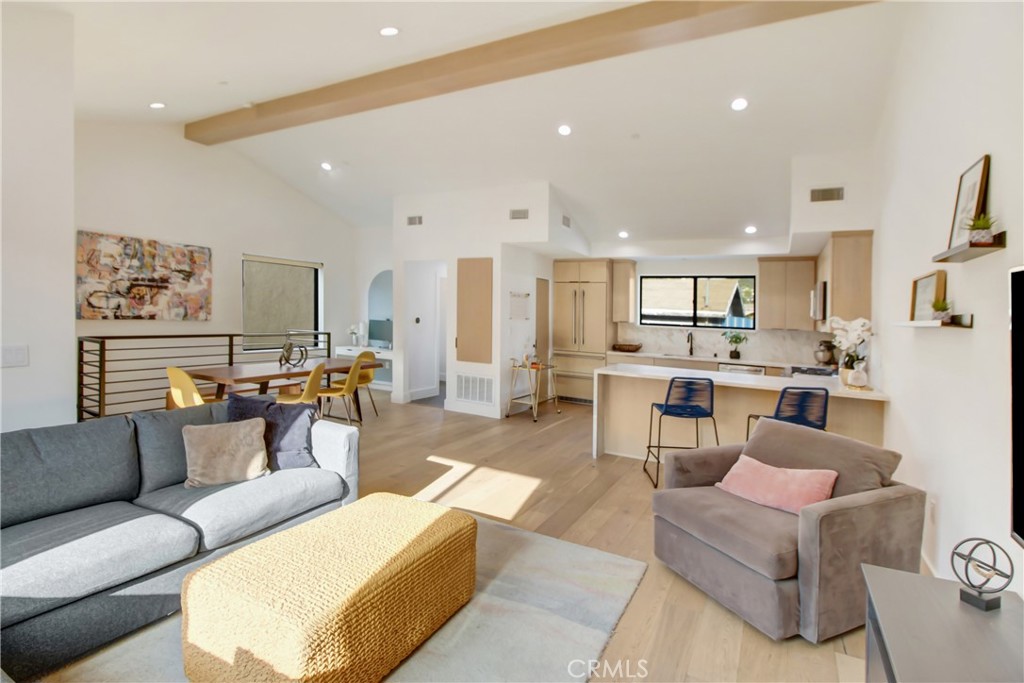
[224,453]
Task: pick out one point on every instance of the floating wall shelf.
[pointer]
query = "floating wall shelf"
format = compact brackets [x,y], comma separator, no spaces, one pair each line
[965,252]
[963,321]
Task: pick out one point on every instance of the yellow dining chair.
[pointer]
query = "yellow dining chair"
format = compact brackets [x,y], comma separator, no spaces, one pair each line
[344,390]
[310,393]
[366,376]
[183,393]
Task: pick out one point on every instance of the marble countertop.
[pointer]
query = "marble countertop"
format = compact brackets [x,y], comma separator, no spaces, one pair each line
[728,379]
[712,359]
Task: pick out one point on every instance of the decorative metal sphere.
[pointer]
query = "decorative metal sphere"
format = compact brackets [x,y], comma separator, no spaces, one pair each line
[982,565]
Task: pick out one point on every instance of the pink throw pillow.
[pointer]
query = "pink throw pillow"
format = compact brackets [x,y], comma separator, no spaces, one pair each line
[777,487]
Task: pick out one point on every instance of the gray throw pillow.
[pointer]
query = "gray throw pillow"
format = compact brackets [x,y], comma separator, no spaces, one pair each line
[161,448]
[861,466]
[288,435]
[224,453]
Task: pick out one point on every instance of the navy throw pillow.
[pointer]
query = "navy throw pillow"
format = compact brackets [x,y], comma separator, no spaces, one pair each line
[289,429]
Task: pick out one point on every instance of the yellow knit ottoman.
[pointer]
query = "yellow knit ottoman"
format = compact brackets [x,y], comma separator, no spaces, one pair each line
[344,597]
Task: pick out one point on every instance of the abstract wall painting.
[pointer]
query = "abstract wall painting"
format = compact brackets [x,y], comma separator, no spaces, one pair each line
[129,278]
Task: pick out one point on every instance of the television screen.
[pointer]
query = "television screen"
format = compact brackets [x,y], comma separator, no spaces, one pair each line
[1017,402]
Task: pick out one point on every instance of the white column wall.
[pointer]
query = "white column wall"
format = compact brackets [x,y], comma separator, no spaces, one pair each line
[38,244]
[950,388]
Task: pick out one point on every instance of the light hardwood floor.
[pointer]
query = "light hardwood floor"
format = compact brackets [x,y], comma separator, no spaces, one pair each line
[540,477]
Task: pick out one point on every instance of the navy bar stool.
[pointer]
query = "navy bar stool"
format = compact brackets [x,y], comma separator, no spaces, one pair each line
[807,406]
[692,398]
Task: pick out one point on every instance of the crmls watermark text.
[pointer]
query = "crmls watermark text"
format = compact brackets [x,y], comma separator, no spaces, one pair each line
[597,669]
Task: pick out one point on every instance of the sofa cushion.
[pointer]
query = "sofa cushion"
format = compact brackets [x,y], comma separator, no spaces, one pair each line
[225,453]
[58,559]
[288,439]
[777,487]
[161,447]
[861,466]
[223,514]
[41,470]
[762,538]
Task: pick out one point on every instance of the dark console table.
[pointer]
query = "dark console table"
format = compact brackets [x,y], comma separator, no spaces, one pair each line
[918,630]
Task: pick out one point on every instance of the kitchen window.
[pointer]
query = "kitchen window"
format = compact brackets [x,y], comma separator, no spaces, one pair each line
[279,295]
[722,301]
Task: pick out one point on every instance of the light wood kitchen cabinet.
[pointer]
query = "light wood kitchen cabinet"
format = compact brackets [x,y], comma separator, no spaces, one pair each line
[686,364]
[784,293]
[845,266]
[581,271]
[581,329]
[626,357]
[623,291]
[581,317]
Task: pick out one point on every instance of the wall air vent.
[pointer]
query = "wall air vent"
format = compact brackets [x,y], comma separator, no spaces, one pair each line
[474,388]
[414,220]
[518,214]
[827,194]
[566,221]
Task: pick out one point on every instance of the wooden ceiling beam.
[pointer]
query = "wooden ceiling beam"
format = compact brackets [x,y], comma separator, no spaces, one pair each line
[610,34]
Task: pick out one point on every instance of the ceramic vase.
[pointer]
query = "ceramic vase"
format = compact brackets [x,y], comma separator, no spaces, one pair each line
[858,376]
[980,237]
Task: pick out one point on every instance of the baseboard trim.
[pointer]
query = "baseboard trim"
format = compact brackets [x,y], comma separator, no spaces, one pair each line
[426,392]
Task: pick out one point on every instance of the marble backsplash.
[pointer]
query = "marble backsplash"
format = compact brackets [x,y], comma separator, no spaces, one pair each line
[770,346]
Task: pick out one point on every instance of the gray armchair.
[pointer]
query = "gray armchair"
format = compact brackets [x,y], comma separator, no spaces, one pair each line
[784,573]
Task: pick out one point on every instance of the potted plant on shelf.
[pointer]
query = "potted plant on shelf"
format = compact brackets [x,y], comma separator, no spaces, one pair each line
[849,337]
[980,230]
[942,310]
[735,339]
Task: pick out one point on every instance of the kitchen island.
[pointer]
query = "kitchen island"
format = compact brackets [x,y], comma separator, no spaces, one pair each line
[623,394]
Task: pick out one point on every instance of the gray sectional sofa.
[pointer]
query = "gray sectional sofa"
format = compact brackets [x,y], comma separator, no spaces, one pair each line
[98,531]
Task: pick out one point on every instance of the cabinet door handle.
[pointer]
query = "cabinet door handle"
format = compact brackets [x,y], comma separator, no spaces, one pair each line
[583,318]
[574,316]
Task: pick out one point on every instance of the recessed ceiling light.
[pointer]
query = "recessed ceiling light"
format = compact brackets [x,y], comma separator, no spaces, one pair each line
[326,165]
[389,31]
[564,130]
[750,229]
[157,105]
[623,234]
[739,104]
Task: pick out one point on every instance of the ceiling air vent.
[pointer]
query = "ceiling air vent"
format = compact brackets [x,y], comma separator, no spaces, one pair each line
[518,214]
[827,194]
[414,220]
[566,221]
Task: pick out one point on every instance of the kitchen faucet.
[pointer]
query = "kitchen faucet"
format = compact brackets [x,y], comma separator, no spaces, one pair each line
[689,340]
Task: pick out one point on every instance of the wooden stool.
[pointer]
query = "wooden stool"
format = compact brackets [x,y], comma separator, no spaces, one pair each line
[344,597]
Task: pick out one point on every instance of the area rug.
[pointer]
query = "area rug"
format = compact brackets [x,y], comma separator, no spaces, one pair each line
[540,605]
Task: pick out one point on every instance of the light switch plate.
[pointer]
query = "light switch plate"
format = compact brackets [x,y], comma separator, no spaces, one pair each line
[15,356]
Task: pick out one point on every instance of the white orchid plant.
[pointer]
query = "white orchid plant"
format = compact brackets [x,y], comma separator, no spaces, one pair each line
[849,336]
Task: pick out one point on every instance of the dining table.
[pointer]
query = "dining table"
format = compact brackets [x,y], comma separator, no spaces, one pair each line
[262,374]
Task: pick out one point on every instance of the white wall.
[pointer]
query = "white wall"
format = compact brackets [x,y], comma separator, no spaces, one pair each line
[853,171]
[464,224]
[148,181]
[520,269]
[950,389]
[371,249]
[420,323]
[38,242]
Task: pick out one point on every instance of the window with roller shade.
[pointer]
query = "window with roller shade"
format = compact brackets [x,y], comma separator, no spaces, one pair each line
[279,295]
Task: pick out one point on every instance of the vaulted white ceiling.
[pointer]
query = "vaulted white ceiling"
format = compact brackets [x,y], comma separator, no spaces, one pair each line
[655,148]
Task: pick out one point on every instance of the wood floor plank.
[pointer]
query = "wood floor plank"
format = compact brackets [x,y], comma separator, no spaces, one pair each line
[540,476]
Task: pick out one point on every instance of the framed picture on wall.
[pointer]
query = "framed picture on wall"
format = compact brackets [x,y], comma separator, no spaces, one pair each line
[927,290]
[970,201]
